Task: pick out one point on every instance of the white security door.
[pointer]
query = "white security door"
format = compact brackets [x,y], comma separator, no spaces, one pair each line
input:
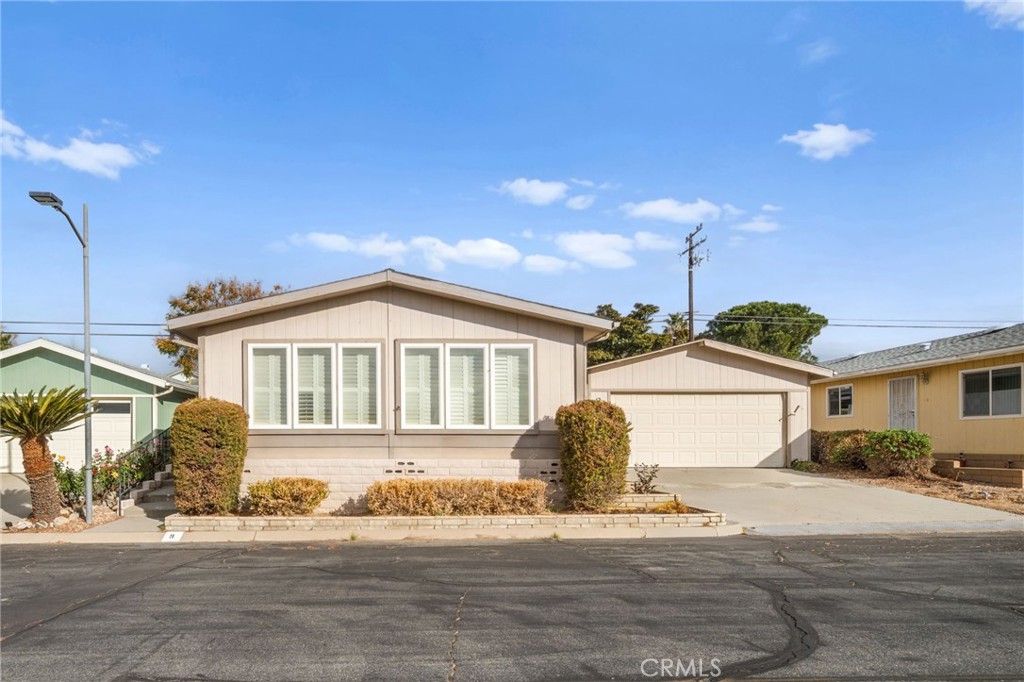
[704,429]
[903,403]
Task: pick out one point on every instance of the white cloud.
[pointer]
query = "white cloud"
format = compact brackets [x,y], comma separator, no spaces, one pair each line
[673,211]
[1000,13]
[759,223]
[609,185]
[827,141]
[818,51]
[483,253]
[736,240]
[536,192]
[104,159]
[526,234]
[582,183]
[380,245]
[548,264]
[598,249]
[731,211]
[580,202]
[370,247]
[649,241]
[771,208]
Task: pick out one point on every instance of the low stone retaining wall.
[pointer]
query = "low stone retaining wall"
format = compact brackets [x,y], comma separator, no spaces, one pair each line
[552,522]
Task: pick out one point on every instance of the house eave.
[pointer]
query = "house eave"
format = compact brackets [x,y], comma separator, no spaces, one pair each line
[924,364]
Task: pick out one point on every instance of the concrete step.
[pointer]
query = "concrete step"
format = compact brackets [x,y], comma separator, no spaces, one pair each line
[164,492]
[159,505]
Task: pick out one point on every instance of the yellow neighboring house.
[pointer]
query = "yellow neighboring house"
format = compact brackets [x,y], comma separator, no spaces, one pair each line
[964,391]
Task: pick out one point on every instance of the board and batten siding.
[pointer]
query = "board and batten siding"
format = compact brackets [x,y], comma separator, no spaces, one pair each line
[710,370]
[938,409]
[390,315]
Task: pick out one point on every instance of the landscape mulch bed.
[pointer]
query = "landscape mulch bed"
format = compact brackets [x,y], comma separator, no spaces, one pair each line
[979,494]
[101,514]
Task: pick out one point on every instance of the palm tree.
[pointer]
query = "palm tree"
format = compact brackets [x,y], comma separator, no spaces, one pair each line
[32,419]
[678,328]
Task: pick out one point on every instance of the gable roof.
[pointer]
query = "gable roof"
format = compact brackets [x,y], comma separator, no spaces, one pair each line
[99,361]
[936,352]
[720,346]
[188,325]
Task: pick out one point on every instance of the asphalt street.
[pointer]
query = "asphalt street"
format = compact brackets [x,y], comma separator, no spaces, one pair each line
[851,609]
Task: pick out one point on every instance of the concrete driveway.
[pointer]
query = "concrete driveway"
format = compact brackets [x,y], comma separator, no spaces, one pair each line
[786,502]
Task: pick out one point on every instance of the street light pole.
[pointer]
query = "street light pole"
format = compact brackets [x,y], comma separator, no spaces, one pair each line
[52,200]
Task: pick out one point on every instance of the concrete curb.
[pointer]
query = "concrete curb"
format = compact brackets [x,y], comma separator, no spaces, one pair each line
[924,527]
[385,534]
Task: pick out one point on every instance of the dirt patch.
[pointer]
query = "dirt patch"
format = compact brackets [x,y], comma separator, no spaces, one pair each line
[101,514]
[979,494]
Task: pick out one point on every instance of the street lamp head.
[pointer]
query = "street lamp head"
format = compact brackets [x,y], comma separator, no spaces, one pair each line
[46,199]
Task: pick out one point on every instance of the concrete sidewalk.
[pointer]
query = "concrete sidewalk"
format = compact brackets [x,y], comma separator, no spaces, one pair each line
[787,502]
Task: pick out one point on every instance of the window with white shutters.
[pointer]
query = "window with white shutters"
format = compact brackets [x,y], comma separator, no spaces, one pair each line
[421,386]
[360,385]
[314,385]
[512,386]
[467,382]
[268,381]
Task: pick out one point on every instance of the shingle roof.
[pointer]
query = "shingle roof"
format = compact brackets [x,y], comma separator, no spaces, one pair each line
[936,351]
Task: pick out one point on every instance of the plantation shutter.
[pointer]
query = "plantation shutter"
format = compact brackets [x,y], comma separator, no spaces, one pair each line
[466,387]
[421,401]
[512,377]
[313,374]
[359,386]
[269,386]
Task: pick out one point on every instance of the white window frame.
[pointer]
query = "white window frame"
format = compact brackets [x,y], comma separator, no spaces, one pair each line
[294,380]
[442,372]
[339,392]
[979,370]
[533,386]
[287,389]
[487,387]
[828,402]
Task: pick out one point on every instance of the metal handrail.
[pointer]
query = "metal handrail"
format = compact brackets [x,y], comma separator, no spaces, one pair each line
[142,463]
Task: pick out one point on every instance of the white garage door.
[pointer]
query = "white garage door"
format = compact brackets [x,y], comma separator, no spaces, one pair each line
[704,430]
[111,425]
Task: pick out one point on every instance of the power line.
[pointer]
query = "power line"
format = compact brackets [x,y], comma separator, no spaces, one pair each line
[52,333]
[94,324]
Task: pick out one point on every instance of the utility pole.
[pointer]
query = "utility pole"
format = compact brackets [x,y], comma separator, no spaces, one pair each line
[693,260]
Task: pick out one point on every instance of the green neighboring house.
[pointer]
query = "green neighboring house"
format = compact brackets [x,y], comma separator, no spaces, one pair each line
[134,403]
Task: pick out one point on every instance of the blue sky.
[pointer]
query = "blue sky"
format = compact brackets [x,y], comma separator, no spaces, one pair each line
[864,159]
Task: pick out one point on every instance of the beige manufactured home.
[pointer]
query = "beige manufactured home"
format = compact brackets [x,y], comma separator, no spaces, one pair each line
[964,391]
[711,404]
[390,375]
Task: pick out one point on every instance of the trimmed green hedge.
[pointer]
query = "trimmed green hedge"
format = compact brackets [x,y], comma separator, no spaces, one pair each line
[899,452]
[594,437]
[208,442]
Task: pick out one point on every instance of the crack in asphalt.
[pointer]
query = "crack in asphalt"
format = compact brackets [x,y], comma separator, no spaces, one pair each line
[803,638]
[455,635]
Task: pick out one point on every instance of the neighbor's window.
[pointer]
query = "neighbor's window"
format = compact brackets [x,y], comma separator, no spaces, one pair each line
[991,392]
[840,401]
[268,381]
[314,385]
[360,385]
[421,386]
[512,386]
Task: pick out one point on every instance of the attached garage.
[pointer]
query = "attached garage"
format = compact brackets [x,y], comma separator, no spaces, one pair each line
[711,404]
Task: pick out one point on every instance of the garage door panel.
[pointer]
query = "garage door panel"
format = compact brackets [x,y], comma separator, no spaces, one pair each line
[730,430]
